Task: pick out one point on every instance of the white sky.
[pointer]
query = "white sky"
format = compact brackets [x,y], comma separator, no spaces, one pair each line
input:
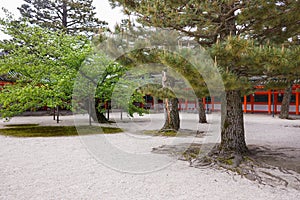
[103,9]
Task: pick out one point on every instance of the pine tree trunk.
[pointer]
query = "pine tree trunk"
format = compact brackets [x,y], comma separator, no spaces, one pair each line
[201,110]
[64,15]
[172,120]
[285,105]
[232,130]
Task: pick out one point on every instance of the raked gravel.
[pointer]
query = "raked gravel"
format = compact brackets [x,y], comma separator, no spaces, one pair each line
[66,168]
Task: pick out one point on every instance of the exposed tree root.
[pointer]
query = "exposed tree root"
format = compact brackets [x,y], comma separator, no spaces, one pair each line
[251,166]
[248,167]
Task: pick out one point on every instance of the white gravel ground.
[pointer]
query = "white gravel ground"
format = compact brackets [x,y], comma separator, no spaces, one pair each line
[73,167]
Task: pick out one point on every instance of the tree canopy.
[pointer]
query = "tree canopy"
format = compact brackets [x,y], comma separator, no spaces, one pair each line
[71,16]
[44,65]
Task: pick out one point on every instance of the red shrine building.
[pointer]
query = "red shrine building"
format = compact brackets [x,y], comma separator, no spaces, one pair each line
[261,101]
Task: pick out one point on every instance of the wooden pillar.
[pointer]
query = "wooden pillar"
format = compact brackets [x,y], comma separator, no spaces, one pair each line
[245,104]
[212,104]
[275,102]
[155,104]
[252,103]
[179,106]
[297,103]
[186,104]
[269,101]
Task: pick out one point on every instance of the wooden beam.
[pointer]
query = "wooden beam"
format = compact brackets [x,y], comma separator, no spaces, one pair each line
[212,104]
[269,101]
[245,104]
[297,103]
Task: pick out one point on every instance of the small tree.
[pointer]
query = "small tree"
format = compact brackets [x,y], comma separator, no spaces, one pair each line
[97,84]
[45,64]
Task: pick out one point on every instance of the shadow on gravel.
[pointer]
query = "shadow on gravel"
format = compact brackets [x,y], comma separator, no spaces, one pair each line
[274,166]
[281,157]
[284,157]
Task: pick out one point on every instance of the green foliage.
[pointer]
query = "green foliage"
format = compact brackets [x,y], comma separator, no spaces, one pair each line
[102,80]
[71,16]
[234,59]
[207,22]
[281,65]
[271,20]
[44,64]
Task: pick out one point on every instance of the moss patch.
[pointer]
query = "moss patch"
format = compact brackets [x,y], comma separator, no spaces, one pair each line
[227,161]
[55,131]
[160,133]
[192,152]
[20,125]
[171,133]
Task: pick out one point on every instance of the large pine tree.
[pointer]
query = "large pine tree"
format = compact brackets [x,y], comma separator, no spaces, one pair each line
[211,21]
[72,16]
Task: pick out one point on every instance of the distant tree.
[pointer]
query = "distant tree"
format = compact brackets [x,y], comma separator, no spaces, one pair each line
[285,104]
[292,75]
[71,16]
[283,68]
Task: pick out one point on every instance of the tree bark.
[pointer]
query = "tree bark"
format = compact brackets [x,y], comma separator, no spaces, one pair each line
[96,114]
[232,128]
[172,120]
[201,110]
[285,105]
[64,15]
[100,117]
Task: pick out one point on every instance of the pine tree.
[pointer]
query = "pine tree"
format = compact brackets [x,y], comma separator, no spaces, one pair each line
[277,22]
[72,16]
[283,68]
[211,23]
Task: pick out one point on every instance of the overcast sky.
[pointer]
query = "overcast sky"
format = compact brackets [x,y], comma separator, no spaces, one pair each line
[103,9]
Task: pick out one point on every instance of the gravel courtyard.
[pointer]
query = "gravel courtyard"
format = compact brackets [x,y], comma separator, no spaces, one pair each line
[74,168]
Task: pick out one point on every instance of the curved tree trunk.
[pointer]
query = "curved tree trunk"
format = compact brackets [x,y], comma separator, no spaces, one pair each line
[201,110]
[100,117]
[285,105]
[172,119]
[232,130]
[96,114]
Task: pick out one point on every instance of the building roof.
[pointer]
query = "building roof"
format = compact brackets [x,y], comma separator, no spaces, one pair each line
[10,77]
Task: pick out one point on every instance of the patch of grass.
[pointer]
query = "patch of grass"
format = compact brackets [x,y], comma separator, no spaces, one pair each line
[159,133]
[110,130]
[21,125]
[191,153]
[227,161]
[170,133]
[55,131]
